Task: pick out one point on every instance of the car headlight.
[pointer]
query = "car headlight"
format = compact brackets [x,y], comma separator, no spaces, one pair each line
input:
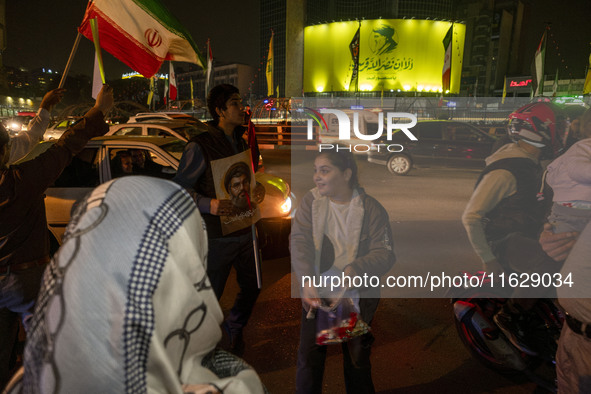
[285,208]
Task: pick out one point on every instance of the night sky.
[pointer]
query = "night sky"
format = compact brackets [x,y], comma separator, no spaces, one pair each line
[41,33]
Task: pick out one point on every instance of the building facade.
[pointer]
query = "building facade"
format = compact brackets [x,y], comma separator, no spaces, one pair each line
[239,75]
[492,51]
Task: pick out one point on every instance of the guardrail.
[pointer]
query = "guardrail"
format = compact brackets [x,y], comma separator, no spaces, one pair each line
[284,135]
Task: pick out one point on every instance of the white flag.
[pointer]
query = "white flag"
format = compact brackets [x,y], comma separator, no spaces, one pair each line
[97,82]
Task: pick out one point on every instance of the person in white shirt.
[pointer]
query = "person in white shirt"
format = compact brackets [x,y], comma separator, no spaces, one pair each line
[22,143]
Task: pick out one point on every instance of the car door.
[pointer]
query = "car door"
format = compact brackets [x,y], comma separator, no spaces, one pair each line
[467,146]
[428,149]
[76,181]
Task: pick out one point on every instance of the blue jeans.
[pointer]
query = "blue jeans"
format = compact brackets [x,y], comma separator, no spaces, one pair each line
[225,253]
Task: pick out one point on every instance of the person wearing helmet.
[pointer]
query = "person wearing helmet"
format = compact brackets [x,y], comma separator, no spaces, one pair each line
[504,217]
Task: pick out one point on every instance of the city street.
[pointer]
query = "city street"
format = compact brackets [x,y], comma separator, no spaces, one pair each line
[417,349]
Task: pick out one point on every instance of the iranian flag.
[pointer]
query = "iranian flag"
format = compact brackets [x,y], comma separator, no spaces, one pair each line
[446,73]
[140,33]
[172,90]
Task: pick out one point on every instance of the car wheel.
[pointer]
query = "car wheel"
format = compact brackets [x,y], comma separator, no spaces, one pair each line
[399,164]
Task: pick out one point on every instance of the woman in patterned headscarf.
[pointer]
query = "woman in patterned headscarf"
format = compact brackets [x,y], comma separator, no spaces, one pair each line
[126,305]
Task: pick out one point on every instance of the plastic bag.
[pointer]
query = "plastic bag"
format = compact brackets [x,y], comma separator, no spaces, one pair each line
[338,321]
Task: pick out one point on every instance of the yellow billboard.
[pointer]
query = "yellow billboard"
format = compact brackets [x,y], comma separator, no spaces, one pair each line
[394,54]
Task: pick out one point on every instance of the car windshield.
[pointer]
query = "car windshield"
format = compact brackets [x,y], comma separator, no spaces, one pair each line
[175,148]
[187,131]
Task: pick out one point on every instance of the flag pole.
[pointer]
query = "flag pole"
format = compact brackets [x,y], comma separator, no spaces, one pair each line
[357,65]
[70,59]
[257,255]
[252,144]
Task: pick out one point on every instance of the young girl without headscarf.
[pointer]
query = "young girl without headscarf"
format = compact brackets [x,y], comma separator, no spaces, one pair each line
[338,229]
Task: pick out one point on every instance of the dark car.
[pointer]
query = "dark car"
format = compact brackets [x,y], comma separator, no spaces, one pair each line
[440,142]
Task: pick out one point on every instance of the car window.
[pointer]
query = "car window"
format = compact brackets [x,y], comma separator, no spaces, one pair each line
[144,162]
[187,131]
[465,133]
[129,131]
[429,130]
[175,149]
[64,124]
[158,132]
[82,171]
[120,162]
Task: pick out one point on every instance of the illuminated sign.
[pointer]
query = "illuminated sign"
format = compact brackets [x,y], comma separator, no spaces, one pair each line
[519,84]
[394,54]
[135,74]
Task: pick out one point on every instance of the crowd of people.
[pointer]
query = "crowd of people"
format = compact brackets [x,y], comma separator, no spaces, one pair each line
[141,308]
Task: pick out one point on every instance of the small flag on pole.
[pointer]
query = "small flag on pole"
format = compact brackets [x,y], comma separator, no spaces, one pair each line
[97,47]
[97,82]
[587,85]
[537,68]
[504,90]
[555,86]
[254,147]
[209,71]
[172,90]
[151,94]
[354,48]
[446,72]
[166,92]
[270,67]
[140,33]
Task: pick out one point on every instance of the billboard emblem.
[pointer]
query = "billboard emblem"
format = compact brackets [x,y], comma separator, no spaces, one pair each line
[383,40]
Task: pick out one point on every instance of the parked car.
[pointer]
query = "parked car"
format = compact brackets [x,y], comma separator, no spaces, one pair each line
[180,129]
[96,165]
[151,116]
[57,128]
[440,142]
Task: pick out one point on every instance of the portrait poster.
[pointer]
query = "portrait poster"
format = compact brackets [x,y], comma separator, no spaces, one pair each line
[235,181]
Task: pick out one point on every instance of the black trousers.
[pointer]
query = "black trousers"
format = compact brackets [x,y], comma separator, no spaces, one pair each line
[18,293]
[311,358]
[238,252]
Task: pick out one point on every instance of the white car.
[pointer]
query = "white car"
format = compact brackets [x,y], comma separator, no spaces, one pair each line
[151,116]
[180,129]
[96,164]
[56,129]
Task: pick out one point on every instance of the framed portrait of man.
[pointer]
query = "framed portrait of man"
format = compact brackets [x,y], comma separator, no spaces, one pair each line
[235,181]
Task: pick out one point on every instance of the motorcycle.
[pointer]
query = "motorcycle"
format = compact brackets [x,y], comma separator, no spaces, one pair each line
[473,316]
